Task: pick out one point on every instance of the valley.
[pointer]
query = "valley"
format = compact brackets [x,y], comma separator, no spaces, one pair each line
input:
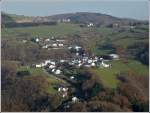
[84,60]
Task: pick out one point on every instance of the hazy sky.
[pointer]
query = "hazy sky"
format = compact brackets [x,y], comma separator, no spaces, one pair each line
[137,9]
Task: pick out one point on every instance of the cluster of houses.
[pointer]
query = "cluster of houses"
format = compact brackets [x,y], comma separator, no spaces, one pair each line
[64,20]
[54,67]
[89,62]
[51,43]
[90,24]
[75,49]
[63,91]
[56,43]
[123,27]
[50,65]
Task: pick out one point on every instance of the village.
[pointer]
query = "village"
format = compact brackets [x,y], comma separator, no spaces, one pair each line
[56,67]
[74,56]
[79,60]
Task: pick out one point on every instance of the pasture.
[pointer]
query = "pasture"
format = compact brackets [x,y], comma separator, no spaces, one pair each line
[60,29]
[51,80]
[109,75]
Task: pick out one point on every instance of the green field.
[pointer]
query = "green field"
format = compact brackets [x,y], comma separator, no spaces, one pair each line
[33,71]
[40,72]
[108,75]
[60,29]
[123,39]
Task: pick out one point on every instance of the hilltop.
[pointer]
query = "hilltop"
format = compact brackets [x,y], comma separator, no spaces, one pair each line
[86,17]
[79,17]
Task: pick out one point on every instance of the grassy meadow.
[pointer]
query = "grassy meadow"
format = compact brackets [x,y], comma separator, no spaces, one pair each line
[108,75]
[51,80]
[60,29]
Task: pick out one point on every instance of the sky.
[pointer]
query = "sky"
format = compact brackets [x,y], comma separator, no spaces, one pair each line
[136,9]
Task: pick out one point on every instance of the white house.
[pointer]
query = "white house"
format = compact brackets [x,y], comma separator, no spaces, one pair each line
[64,89]
[87,65]
[75,61]
[44,47]
[52,37]
[52,62]
[47,61]
[85,59]
[72,77]
[79,61]
[114,56]
[60,45]
[66,20]
[90,24]
[69,47]
[90,61]
[37,40]
[79,65]
[38,65]
[96,58]
[57,72]
[54,45]
[93,64]
[62,61]
[101,58]
[105,65]
[58,40]
[47,40]
[64,95]
[24,41]
[52,66]
[77,54]
[77,48]
[115,25]
[43,64]
[75,99]
[71,63]
[53,70]
[60,89]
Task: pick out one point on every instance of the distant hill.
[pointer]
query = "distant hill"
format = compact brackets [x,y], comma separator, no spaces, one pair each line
[12,20]
[16,18]
[85,17]
[6,18]
[79,17]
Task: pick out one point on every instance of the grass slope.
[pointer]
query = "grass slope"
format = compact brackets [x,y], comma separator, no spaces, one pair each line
[40,72]
[108,75]
[43,31]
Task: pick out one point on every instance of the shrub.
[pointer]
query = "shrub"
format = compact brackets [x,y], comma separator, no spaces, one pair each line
[23,73]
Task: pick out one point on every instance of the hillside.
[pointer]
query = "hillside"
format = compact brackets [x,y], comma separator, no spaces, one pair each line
[6,18]
[49,63]
[79,17]
[86,17]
